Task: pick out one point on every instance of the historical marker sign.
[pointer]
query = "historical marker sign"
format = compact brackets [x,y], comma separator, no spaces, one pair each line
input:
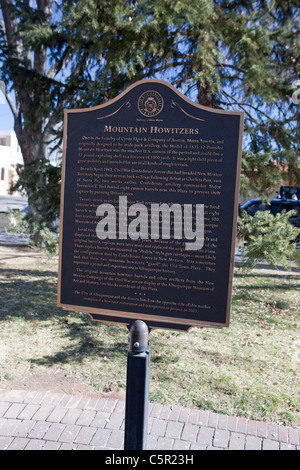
[149,209]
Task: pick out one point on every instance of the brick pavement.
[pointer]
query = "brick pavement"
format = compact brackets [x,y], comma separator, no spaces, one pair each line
[53,421]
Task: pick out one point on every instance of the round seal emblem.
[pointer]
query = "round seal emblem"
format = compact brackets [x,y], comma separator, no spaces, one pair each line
[150,103]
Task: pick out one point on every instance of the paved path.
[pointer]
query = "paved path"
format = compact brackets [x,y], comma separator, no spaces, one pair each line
[53,421]
[9,202]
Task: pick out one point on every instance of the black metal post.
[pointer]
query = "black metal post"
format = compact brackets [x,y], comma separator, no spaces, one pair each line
[137,390]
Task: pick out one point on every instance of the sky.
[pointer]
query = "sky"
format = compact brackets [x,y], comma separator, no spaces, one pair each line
[6,117]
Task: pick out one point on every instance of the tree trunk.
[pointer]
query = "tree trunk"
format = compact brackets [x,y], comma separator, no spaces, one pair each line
[204,95]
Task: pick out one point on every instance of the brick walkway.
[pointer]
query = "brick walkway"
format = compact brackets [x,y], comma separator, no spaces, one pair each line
[53,421]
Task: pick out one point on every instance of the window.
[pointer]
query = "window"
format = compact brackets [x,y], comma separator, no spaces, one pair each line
[2,174]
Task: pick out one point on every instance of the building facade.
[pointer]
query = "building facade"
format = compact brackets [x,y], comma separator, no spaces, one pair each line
[10,157]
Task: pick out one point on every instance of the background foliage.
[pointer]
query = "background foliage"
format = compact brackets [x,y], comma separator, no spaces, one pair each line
[268,237]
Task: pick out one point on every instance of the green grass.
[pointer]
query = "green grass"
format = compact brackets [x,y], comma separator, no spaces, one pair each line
[250,369]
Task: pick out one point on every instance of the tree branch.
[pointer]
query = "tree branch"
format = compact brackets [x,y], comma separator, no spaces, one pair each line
[40,53]
[10,25]
[250,106]
[9,100]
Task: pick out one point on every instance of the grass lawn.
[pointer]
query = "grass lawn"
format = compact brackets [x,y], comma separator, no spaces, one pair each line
[250,369]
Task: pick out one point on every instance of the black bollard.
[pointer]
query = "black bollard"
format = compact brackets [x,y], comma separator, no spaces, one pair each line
[137,390]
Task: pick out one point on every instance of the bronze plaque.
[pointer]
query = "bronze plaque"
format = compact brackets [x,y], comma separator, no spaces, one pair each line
[149,209]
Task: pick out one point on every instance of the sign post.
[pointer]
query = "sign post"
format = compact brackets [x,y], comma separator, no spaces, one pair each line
[150,184]
[137,388]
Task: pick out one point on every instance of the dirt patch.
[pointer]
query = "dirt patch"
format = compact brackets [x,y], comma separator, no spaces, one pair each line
[59,382]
